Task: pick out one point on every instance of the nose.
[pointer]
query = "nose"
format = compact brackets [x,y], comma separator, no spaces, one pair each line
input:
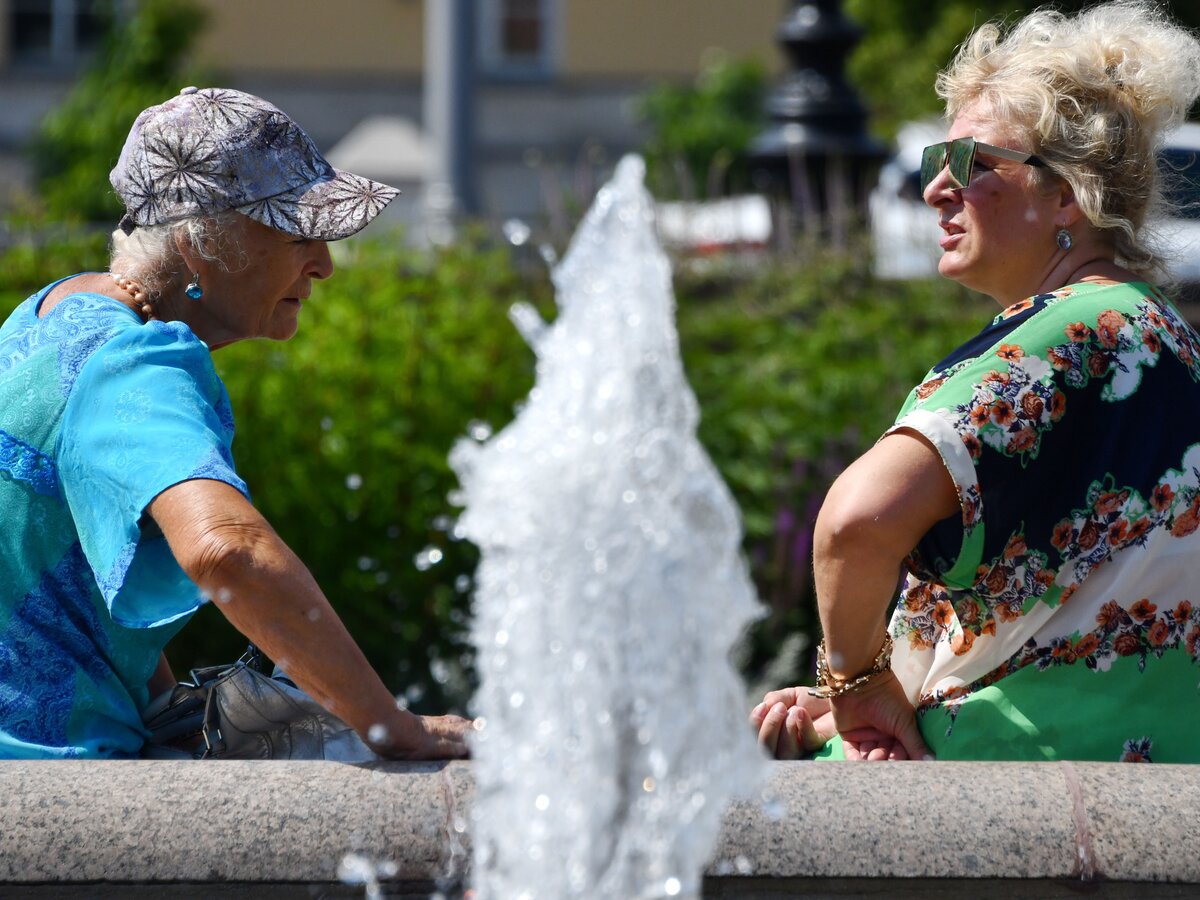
[320,264]
[940,190]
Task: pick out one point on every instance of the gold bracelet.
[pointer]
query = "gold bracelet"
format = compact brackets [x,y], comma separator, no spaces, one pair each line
[829,686]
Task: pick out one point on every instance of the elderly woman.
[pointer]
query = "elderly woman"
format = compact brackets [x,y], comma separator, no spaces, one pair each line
[122,508]
[1040,488]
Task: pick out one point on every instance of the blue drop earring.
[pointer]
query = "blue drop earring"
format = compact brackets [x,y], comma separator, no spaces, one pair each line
[193,290]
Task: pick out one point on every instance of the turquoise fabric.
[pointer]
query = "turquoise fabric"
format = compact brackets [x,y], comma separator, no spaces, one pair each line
[99,413]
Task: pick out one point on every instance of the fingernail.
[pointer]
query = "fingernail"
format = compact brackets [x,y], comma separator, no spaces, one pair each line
[758,709]
[778,707]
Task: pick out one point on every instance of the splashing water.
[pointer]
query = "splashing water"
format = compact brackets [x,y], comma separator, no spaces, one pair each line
[610,591]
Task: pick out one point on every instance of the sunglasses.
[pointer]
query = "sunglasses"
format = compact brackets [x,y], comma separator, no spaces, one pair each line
[959,156]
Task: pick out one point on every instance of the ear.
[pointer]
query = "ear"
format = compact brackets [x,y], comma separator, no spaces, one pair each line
[1069,212]
[192,260]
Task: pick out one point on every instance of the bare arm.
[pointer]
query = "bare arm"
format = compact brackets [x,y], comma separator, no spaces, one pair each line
[872,518]
[163,678]
[227,548]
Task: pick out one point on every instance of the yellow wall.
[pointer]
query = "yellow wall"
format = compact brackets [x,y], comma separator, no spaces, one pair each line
[314,36]
[599,38]
[665,37]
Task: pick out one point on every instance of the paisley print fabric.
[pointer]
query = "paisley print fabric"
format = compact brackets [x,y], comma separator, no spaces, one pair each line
[99,413]
[1059,615]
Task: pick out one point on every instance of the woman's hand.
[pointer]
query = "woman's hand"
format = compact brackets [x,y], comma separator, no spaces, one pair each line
[877,722]
[422,737]
[792,724]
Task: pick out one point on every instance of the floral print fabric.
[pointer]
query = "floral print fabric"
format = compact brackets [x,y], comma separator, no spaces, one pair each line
[1065,595]
[99,413]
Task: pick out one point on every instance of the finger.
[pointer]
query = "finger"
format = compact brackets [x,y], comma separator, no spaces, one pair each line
[787,696]
[804,730]
[850,750]
[768,732]
[878,753]
[898,752]
[757,714]
[910,737]
[788,744]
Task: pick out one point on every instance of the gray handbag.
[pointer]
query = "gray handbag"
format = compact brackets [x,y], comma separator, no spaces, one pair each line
[239,712]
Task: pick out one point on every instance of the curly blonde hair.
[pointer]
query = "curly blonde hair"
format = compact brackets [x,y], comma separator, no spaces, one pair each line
[1093,95]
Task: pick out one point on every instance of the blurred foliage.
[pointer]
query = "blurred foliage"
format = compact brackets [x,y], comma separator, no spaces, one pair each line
[906,43]
[698,132]
[142,61]
[343,432]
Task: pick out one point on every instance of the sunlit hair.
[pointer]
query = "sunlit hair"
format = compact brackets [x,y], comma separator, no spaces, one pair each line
[150,256]
[1093,95]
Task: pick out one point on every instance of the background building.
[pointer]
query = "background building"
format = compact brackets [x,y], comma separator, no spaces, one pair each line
[555,79]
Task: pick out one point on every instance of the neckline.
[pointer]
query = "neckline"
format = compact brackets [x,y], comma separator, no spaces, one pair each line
[45,292]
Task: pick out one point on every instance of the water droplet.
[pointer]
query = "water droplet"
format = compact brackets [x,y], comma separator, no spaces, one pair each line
[648,784]
[460,824]
[742,865]
[542,802]
[224,595]
[365,563]
[516,232]
[377,733]
[479,723]
[326,424]
[354,481]
[501,638]
[629,496]
[439,670]
[548,253]
[427,558]
[516,700]
[556,647]
[479,430]
[313,614]
[774,809]
[671,887]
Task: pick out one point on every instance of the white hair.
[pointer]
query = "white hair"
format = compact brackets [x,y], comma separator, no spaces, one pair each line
[150,256]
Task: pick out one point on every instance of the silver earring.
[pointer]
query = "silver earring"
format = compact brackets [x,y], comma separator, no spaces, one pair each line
[1063,239]
[193,290]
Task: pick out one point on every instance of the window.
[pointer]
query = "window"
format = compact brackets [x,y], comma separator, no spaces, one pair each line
[54,33]
[517,37]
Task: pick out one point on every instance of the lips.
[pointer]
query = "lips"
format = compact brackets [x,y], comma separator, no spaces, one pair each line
[952,235]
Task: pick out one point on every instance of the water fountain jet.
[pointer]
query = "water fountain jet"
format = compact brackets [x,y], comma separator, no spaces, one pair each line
[610,591]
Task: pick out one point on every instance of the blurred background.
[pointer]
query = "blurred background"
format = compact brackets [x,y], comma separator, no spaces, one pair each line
[782,141]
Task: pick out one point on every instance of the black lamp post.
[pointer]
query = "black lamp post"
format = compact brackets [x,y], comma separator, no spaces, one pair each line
[816,153]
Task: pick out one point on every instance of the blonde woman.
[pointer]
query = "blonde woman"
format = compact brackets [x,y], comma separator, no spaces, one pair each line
[1040,489]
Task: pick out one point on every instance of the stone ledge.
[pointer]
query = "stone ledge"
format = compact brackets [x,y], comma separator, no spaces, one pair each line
[273,829]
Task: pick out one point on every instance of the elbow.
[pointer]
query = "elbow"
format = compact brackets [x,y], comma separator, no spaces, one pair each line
[850,527]
[218,551]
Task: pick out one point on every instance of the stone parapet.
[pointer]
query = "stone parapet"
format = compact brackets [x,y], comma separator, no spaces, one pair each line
[276,830]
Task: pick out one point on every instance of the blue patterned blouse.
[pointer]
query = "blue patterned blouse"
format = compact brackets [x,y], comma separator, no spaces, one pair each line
[99,413]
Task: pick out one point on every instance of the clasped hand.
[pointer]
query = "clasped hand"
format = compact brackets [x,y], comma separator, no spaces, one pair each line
[876,722]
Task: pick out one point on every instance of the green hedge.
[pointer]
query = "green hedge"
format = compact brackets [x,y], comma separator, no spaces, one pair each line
[343,432]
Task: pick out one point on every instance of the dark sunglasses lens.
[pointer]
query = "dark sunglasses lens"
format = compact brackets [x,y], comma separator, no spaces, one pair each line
[962,158]
[933,160]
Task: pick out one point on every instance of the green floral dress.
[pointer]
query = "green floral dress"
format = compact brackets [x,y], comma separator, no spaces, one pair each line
[1059,616]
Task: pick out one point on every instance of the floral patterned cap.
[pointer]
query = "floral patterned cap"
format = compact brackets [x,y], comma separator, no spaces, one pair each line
[211,150]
